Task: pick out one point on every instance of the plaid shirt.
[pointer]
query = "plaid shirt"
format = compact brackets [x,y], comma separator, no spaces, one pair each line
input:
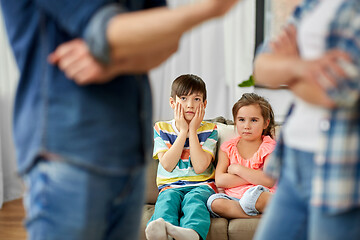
[336,179]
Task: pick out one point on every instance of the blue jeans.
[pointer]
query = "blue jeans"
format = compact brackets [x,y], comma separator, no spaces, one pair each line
[67,202]
[290,215]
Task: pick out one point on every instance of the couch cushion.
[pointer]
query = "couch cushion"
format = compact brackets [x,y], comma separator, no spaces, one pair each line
[218,229]
[242,229]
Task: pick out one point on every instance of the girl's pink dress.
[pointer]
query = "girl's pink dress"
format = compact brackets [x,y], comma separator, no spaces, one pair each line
[255,162]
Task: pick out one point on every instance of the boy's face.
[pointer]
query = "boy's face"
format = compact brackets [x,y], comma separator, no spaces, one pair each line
[189,103]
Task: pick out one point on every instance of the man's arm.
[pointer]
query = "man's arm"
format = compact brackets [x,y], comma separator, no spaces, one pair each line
[301,76]
[308,79]
[75,59]
[143,31]
[135,42]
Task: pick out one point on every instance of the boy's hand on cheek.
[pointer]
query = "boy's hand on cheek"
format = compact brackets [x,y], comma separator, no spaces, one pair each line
[179,118]
[198,118]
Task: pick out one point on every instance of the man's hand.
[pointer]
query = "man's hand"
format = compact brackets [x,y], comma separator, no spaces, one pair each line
[323,71]
[76,61]
[286,43]
[78,64]
[198,118]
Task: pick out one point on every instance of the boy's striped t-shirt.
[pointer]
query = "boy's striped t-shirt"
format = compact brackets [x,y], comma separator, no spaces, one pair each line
[165,134]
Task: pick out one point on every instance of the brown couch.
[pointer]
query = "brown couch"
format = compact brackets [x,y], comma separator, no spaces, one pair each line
[220,228]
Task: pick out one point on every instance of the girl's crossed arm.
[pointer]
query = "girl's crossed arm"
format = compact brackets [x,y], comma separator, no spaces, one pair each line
[224,179]
[256,177]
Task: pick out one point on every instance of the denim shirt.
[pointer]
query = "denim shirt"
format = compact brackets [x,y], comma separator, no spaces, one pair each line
[106,128]
[336,179]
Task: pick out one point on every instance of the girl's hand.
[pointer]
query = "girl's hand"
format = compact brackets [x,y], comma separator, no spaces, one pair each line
[179,118]
[198,118]
[221,190]
[235,169]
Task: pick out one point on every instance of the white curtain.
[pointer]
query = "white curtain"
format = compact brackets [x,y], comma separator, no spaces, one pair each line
[220,51]
[10,183]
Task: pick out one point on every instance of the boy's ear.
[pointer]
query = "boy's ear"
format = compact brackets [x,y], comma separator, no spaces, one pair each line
[172,102]
[205,102]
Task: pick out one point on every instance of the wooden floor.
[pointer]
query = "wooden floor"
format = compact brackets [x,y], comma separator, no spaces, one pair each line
[11,221]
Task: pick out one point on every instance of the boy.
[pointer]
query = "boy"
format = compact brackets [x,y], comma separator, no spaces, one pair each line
[185,147]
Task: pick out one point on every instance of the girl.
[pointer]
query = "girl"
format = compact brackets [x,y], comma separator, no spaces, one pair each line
[241,160]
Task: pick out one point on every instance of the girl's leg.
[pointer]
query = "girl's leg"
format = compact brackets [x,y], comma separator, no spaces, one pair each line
[228,208]
[262,201]
[222,205]
[254,200]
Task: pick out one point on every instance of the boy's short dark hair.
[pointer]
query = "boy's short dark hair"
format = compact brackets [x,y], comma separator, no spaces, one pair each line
[188,84]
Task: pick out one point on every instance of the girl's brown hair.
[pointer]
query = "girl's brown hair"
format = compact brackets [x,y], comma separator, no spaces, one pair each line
[266,110]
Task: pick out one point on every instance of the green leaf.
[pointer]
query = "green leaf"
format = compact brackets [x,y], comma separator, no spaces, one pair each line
[248,83]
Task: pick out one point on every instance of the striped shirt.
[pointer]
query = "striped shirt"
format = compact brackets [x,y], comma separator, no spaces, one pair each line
[336,180]
[183,175]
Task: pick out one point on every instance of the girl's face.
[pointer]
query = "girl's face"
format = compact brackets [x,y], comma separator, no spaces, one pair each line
[250,123]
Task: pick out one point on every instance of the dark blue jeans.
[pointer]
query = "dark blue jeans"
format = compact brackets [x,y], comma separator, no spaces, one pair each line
[67,202]
[290,215]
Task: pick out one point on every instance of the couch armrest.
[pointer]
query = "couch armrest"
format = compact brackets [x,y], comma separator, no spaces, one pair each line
[151,187]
